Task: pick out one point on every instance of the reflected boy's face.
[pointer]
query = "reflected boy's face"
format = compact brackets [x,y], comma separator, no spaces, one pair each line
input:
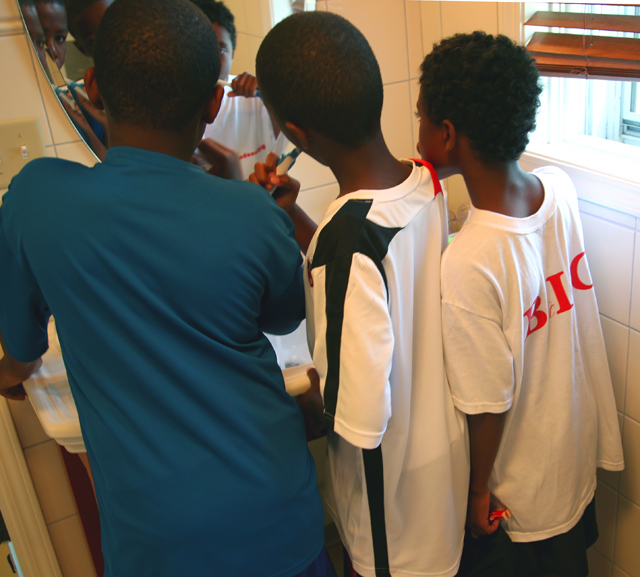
[226,50]
[35,32]
[86,25]
[53,19]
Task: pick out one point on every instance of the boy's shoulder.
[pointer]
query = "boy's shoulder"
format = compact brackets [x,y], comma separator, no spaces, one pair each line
[41,175]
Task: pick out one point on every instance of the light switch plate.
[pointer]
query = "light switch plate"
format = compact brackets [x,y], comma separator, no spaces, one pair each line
[20,141]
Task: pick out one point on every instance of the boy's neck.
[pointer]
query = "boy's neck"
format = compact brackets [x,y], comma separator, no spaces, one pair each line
[504,188]
[179,145]
[369,167]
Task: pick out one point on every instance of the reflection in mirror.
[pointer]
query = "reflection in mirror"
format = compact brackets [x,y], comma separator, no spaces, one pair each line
[46,23]
[53,19]
[63,33]
[36,33]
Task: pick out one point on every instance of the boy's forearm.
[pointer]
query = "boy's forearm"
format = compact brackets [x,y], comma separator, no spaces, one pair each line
[305,227]
[13,372]
[485,434]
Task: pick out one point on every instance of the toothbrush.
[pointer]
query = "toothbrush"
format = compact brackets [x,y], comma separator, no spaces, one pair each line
[225,83]
[287,161]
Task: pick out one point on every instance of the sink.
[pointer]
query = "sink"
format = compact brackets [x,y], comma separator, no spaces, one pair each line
[49,393]
[294,359]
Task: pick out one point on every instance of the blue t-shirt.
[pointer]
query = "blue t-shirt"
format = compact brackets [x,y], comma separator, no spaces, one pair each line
[161,279]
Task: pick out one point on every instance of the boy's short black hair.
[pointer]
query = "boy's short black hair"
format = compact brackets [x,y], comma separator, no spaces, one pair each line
[488,87]
[219,14]
[317,70]
[156,62]
[74,9]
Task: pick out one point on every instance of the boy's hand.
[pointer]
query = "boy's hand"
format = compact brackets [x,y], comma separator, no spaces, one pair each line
[216,159]
[73,110]
[16,393]
[312,407]
[244,84]
[283,188]
[481,503]
[89,107]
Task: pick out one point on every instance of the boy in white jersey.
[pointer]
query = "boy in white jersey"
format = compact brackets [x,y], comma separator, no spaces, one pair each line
[524,350]
[398,468]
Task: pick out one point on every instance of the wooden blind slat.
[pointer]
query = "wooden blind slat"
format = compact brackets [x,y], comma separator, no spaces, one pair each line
[582,21]
[591,46]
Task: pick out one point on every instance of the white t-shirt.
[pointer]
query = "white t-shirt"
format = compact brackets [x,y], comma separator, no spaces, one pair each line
[374,326]
[244,125]
[522,334]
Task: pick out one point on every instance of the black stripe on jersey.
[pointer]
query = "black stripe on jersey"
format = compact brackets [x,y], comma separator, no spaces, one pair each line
[347,233]
[373,473]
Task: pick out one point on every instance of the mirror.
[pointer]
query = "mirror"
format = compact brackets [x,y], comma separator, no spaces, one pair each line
[62,33]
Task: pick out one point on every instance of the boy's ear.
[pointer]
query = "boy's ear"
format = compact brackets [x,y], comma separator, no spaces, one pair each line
[213,104]
[300,135]
[91,88]
[449,135]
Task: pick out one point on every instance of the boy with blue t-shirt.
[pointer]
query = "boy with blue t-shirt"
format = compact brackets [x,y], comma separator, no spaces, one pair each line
[397,456]
[161,279]
[523,346]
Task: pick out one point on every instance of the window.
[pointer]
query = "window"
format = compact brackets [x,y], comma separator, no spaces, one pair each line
[589,58]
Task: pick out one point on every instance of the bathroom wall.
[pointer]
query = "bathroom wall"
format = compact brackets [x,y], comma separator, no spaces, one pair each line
[401,32]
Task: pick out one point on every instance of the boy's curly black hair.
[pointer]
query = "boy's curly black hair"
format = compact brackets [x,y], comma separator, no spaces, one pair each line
[317,70]
[219,14]
[156,62]
[488,87]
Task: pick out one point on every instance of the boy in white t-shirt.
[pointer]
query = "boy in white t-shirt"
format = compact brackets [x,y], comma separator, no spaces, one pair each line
[524,350]
[398,464]
[243,123]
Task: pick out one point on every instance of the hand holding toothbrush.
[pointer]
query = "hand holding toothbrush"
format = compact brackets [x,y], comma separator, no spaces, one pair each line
[269,175]
[273,176]
[244,84]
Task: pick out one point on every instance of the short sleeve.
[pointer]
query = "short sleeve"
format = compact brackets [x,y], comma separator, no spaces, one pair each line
[363,405]
[478,361]
[24,314]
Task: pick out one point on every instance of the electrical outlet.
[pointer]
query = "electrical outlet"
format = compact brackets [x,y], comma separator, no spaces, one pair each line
[20,141]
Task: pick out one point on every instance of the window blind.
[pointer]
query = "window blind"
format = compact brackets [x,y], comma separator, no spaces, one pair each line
[597,40]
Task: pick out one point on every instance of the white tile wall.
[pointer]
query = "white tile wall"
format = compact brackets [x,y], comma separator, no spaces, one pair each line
[383,23]
[24,97]
[610,252]
[635,297]
[606,500]
[469,16]
[612,249]
[396,119]
[617,572]
[629,486]
[627,553]
[616,338]
[632,405]
[599,565]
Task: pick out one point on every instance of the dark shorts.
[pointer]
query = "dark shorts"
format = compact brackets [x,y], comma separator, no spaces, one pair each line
[321,567]
[564,555]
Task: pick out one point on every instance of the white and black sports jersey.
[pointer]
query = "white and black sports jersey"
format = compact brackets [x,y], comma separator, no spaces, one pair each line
[398,461]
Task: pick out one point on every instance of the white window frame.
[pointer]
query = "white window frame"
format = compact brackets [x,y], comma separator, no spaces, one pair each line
[605,172]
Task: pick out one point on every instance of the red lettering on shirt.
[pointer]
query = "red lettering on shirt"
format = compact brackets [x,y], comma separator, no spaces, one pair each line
[540,316]
[575,278]
[248,154]
[555,280]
